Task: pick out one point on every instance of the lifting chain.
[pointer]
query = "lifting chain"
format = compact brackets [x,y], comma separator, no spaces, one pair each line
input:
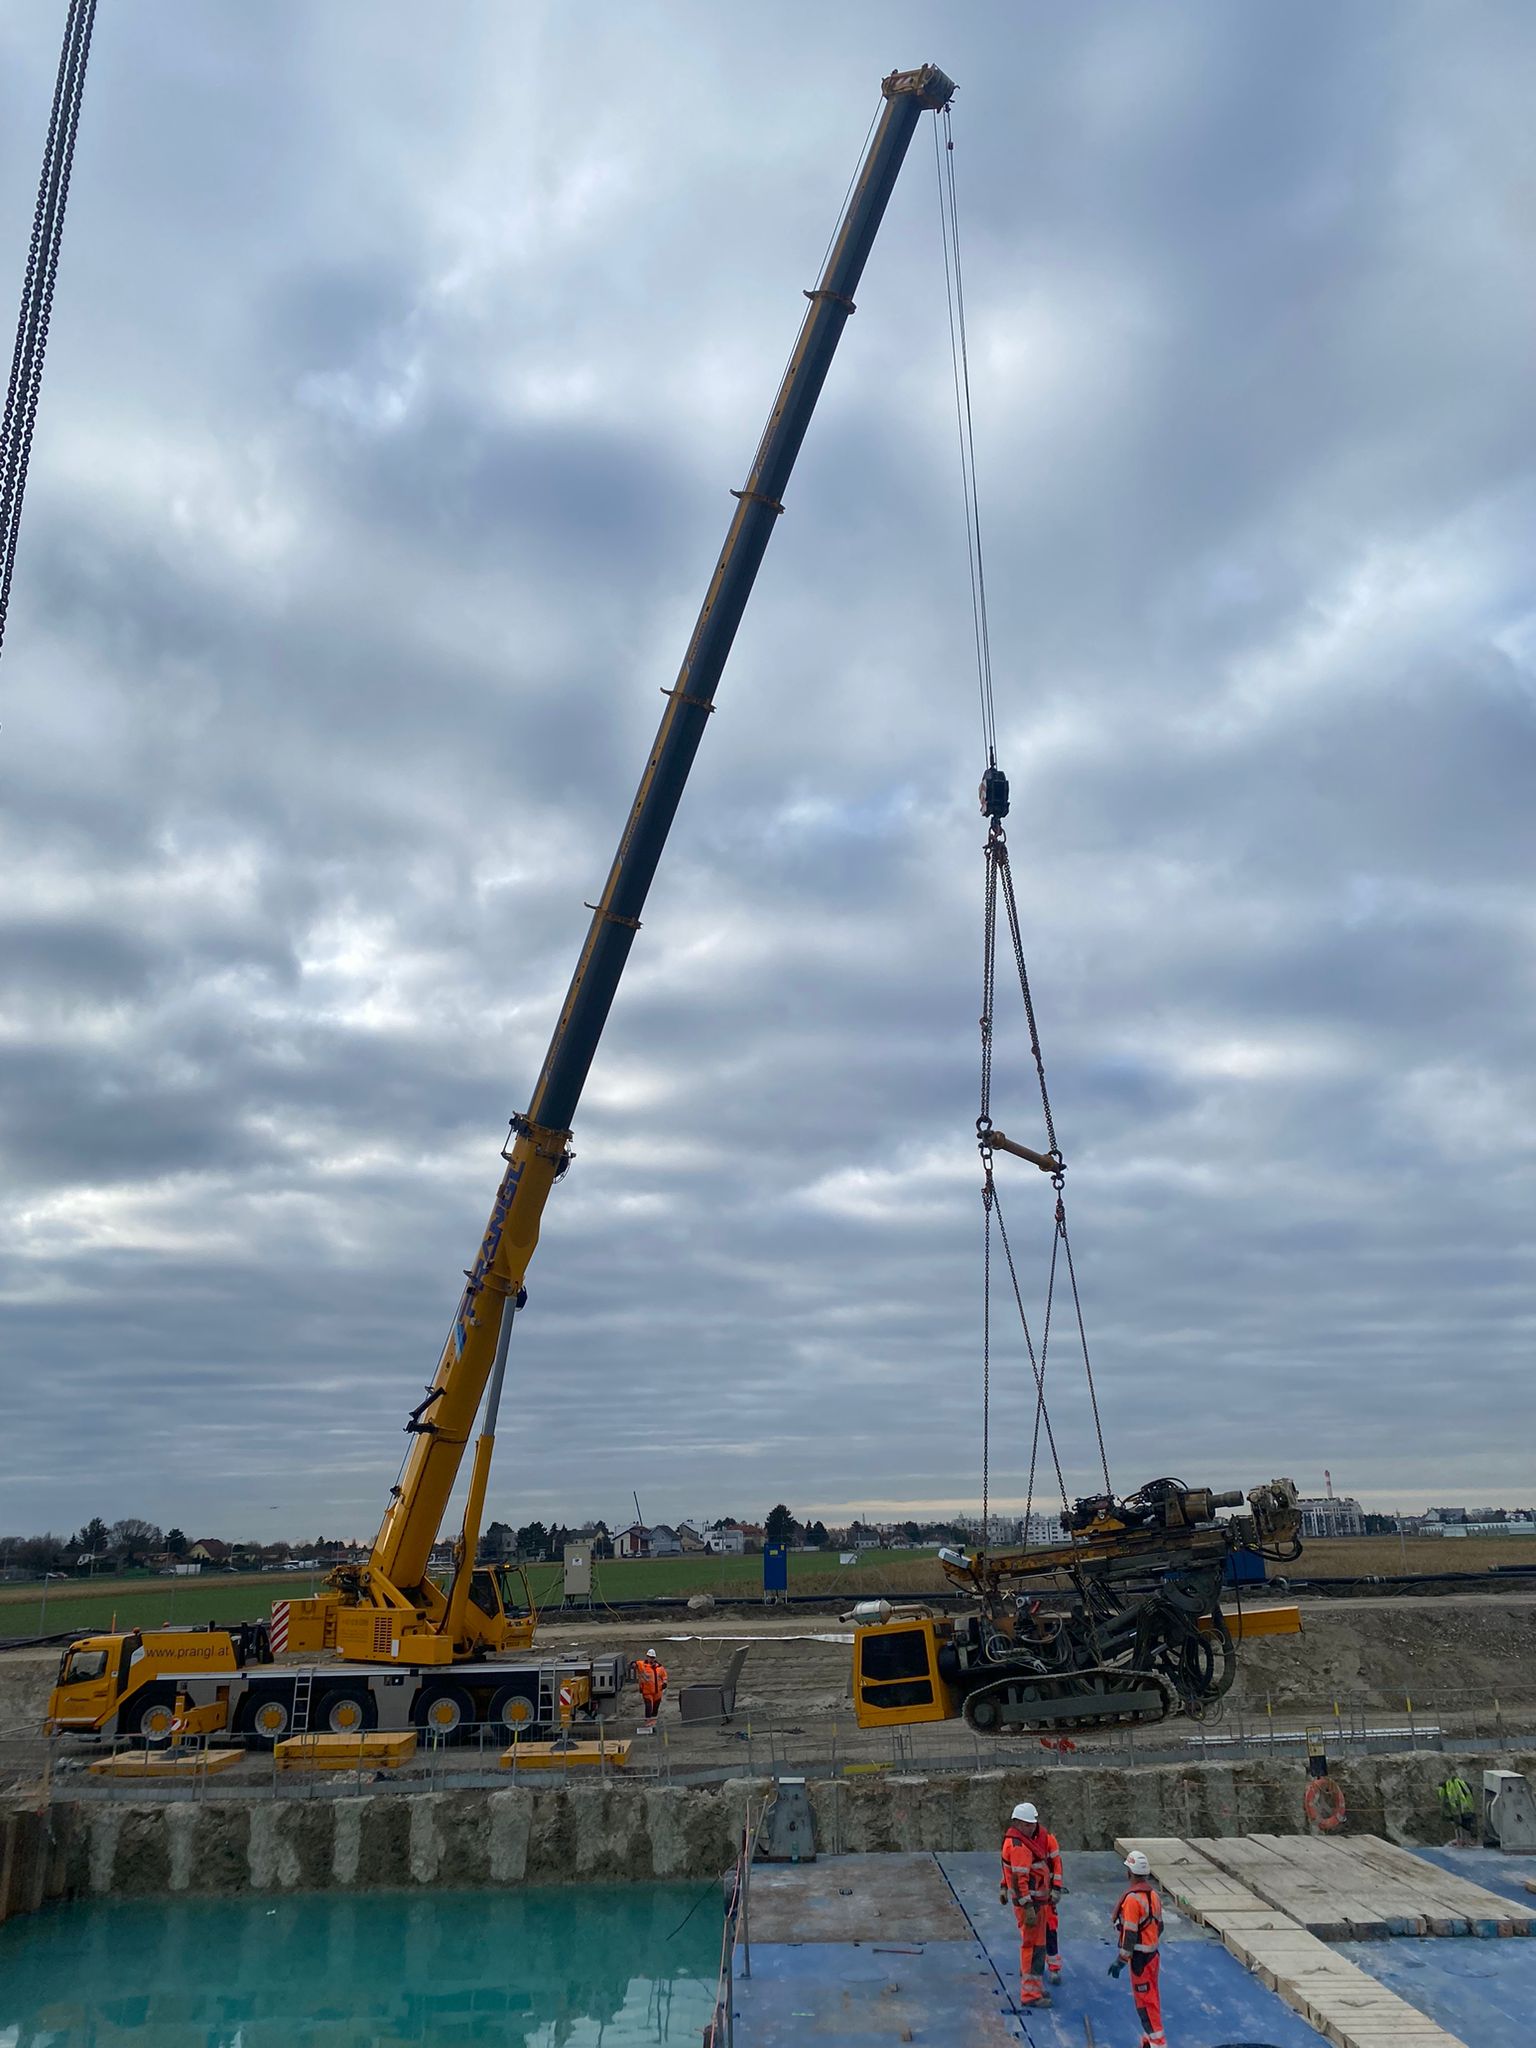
[37,290]
[994,799]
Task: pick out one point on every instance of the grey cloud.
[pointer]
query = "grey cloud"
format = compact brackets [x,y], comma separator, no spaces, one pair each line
[382,465]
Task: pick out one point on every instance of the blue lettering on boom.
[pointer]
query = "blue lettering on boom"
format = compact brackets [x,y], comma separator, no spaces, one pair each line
[483,1260]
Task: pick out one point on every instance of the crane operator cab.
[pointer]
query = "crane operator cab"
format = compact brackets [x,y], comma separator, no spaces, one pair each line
[504,1591]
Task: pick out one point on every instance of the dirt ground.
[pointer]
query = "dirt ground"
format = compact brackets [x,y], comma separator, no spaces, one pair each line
[1449,1656]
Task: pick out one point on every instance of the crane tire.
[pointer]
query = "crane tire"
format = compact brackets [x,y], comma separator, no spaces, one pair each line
[1325,1805]
[266,1717]
[344,1710]
[514,1715]
[444,1711]
[155,1705]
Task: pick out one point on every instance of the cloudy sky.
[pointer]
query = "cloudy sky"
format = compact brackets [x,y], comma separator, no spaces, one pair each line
[399,373]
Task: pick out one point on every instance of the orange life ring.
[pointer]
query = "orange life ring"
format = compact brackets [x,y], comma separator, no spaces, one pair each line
[1325,1805]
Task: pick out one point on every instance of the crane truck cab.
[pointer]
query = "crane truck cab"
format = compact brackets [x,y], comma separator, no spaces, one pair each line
[128,1683]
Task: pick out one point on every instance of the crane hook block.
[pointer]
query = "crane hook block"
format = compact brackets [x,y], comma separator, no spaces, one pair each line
[994,793]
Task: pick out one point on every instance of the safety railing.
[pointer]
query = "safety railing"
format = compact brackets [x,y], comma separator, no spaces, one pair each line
[819,1745]
[735,1937]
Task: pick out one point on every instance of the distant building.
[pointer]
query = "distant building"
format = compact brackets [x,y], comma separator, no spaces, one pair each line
[208,1550]
[1337,1514]
[635,1541]
[665,1542]
[690,1542]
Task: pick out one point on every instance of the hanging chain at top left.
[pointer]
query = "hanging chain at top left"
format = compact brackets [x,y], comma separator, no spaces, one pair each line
[26,378]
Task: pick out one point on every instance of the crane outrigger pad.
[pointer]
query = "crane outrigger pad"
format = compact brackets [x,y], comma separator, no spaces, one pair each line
[379,1752]
[166,1763]
[570,1756]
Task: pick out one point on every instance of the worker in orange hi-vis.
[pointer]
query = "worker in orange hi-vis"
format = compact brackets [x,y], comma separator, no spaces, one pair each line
[1025,1885]
[1048,1850]
[1138,1929]
[651,1677]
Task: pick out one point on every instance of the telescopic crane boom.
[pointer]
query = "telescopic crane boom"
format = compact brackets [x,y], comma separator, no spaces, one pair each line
[389,1610]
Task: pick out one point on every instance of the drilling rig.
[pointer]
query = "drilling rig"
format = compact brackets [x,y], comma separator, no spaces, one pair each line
[1120,1622]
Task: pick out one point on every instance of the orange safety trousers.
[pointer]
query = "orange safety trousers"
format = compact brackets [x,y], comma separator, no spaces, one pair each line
[1026,1877]
[1139,1925]
[1031,1956]
[1147,1995]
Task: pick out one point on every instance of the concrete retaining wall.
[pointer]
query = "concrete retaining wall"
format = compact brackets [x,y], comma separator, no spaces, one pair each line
[34,1858]
[572,1832]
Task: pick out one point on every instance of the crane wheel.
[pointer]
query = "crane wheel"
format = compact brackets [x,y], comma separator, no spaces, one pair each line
[151,1715]
[265,1719]
[513,1713]
[344,1710]
[445,1713]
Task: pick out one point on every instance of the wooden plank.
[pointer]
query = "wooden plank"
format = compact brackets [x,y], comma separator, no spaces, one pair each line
[1348,2007]
[1488,1914]
[1372,1908]
[1304,1895]
[1345,2005]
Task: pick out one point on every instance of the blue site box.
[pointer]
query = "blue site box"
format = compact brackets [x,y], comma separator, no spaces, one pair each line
[1244,1568]
[776,1568]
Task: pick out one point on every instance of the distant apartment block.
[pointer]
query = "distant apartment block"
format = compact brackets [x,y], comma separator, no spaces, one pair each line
[1338,1514]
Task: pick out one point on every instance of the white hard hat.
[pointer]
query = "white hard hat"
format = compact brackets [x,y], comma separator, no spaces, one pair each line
[1027,1814]
[651,1651]
[1137,1865]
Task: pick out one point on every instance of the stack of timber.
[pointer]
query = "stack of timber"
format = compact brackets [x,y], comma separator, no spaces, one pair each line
[1361,1889]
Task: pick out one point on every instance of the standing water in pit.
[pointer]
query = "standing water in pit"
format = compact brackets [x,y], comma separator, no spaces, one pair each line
[522,1969]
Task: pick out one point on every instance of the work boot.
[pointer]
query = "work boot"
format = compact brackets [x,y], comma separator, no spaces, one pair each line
[1032,1993]
[1053,1972]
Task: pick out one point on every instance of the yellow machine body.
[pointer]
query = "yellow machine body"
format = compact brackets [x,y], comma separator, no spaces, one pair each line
[397,1631]
[897,1681]
[1258,1621]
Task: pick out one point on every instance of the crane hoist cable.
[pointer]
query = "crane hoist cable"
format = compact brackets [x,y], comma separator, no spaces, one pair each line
[26,379]
[994,804]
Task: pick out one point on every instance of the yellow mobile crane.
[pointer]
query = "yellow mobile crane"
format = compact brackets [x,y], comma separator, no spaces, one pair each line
[410,1649]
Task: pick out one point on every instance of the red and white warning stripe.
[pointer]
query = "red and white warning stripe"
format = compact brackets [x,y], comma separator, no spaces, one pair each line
[279,1629]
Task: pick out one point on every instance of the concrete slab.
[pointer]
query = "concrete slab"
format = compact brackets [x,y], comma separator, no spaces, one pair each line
[854,1899]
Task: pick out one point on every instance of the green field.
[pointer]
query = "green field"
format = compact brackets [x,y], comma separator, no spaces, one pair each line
[151,1602]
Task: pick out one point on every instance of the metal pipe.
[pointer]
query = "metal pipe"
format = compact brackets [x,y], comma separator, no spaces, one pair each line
[1047,1162]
